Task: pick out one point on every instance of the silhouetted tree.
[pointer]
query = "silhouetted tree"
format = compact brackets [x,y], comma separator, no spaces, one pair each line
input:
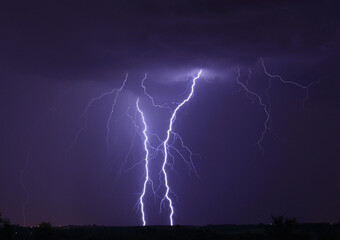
[283,228]
[284,224]
[6,229]
[44,231]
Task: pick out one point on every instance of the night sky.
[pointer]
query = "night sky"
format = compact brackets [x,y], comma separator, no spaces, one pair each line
[55,56]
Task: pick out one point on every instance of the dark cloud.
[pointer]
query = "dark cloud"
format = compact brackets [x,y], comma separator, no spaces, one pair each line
[90,40]
[57,55]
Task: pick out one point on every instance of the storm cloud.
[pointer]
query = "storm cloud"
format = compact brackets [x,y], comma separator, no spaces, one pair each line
[55,56]
[64,40]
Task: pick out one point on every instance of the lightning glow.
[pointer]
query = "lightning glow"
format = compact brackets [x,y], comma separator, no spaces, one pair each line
[166,150]
[170,148]
[146,181]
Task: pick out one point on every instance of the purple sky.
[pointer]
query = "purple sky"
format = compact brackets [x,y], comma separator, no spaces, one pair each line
[55,56]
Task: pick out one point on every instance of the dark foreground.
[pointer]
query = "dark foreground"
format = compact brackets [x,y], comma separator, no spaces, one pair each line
[239,232]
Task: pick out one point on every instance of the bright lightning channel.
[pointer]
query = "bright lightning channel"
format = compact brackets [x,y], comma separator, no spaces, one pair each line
[146,181]
[165,145]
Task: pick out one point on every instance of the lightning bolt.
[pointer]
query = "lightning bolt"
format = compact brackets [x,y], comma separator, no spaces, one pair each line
[167,147]
[305,87]
[166,150]
[115,91]
[266,107]
[112,108]
[146,181]
[165,105]
[176,136]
